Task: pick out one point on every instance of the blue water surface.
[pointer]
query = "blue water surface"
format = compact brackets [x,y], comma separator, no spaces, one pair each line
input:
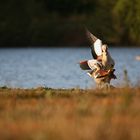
[58,67]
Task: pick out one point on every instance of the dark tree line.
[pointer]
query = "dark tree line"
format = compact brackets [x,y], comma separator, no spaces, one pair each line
[62,22]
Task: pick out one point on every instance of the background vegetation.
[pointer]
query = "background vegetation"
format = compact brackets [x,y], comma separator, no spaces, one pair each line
[62,22]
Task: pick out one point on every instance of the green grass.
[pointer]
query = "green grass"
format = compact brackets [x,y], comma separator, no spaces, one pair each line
[66,114]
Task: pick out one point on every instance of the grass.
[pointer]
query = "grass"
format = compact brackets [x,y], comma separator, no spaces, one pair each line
[65,114]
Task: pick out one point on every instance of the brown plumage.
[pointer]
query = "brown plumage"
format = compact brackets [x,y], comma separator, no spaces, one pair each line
[102,66]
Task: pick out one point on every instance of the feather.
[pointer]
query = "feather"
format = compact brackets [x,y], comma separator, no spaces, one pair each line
[91,37]
[98,47]
[84,65]
[96,44]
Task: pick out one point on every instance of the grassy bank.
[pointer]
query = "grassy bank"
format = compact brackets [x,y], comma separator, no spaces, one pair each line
[51,114]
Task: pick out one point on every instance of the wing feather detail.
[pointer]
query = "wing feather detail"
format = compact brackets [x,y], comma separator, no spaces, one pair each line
[96,44]
[91,37]
[84,65]
[98,47]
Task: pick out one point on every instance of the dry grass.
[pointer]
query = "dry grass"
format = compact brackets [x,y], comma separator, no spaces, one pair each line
[74,114]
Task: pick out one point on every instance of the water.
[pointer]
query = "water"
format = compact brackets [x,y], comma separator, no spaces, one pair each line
[58,67]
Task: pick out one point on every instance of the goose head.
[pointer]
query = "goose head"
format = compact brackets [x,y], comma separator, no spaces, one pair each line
[105,49]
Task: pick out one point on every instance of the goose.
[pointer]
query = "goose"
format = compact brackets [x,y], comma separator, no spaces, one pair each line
[101,67]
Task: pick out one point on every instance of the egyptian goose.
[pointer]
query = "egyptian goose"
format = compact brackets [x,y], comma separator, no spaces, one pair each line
[102,65]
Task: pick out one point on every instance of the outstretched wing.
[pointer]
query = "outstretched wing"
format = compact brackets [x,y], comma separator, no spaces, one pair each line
[90,64]
[84,65]
[96,44]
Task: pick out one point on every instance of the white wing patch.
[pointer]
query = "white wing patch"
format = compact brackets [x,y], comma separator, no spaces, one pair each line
[98,47]
[93,64]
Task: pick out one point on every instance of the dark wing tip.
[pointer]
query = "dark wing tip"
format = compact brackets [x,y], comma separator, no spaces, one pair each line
[92,38]
[84,65]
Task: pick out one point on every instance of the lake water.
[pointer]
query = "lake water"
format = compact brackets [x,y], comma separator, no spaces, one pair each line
[58,67]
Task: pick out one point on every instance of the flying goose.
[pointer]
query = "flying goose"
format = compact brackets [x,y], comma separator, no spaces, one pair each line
[101,67]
